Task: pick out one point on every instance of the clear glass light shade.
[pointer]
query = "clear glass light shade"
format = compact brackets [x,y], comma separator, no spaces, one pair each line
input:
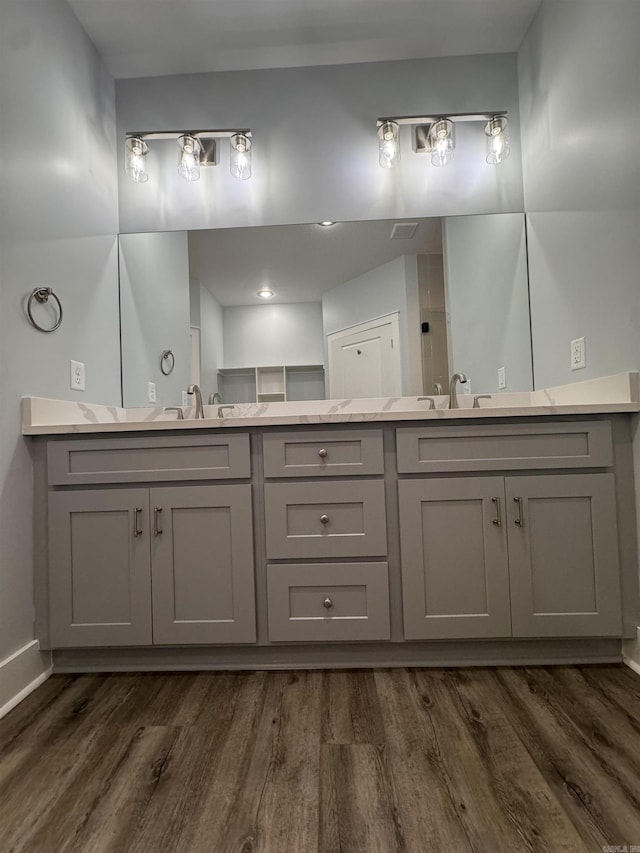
[442,142]
[388,144]
[240,158]
[189,157]
[497,133]
[136,152]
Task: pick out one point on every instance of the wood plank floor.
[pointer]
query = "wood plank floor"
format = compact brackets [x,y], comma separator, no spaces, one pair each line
[496,760]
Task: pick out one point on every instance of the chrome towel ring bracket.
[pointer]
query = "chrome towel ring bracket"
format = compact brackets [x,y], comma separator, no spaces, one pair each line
[167,362]
[41,295]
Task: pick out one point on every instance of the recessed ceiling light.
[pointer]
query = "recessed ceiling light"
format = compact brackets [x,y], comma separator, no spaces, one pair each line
[265,294]
[326,224]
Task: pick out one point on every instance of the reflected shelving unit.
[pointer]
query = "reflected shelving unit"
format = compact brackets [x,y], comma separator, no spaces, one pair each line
[272,384]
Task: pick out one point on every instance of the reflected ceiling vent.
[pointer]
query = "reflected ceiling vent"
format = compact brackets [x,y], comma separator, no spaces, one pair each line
[404,230]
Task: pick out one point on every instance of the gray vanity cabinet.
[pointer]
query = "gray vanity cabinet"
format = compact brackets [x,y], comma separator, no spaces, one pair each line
[526,556]
[202,565]
[99,568]
[455,575]
[563,555]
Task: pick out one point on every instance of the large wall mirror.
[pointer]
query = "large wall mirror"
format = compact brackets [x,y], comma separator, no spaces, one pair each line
[359,309]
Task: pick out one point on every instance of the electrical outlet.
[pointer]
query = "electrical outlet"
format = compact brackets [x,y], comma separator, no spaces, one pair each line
[185,399]
[502,378]
[151,391]
[578,354]
[77,376]
[465,388]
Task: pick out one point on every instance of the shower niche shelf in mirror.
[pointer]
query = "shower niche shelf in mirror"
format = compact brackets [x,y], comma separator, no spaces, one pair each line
[275,384]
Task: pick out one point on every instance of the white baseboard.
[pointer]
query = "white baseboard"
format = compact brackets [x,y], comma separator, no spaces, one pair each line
[631,653]
[21,673]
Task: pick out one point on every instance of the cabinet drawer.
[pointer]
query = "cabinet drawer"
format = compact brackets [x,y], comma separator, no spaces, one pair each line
[331,519]
[316,454]
[141,460]
[584,444]
[328,602]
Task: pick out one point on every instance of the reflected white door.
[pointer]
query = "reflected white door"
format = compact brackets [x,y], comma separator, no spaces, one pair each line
[364,360]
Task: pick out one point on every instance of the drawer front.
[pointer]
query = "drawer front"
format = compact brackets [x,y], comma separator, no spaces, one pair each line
[141,460]
[584,444]
[315,520]
[328,602]
[323,453]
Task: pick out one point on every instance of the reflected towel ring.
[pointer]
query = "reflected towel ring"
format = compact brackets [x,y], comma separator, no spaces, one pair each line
[41,295]
[167,362]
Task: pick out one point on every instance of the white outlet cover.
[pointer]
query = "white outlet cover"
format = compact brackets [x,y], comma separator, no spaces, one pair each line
[578,354]
[77,376]
[151,392]
[502,378]
[185,399]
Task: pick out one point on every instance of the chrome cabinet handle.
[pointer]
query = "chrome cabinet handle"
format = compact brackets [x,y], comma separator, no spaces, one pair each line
[324,519]
[138,524]
[322,453]
[327,603]
[157,530]
[520,519]
[498,519]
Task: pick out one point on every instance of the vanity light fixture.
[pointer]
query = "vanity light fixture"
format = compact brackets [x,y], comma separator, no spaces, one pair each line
[388,144]
[265,294]
[136,152]
[240,157]
[435,135]
[197,150]
[189,159]
[497,133]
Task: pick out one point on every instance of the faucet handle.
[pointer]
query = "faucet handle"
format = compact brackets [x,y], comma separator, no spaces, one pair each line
[222,408]
[175,409]
[476,404]
[432,402]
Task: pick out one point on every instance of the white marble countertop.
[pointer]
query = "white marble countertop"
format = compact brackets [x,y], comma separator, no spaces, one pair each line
[610,394]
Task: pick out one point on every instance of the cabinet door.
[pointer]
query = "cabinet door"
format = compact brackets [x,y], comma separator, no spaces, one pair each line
[99,571]
[455,579]
[202,565]
[563,555]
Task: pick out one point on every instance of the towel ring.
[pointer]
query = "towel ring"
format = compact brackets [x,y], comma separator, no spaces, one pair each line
[41,295]
[167,362]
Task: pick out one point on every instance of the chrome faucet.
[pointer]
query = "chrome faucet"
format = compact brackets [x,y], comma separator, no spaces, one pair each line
[214,398]
[453,396]
[197,393]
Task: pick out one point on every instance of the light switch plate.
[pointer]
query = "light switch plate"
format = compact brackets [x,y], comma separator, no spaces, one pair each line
[578,354]
[77,376]
[502,379]
[151,392]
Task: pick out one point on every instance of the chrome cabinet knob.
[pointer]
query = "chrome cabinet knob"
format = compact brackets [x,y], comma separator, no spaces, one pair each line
[322,453]
[328,603]
[324,519]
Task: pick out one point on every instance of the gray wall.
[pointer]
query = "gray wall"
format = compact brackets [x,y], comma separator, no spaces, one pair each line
[487,299]
[315,152]
[211,341]
[271,335]
[155,307]
[579,71]
[388,289]
[58,221]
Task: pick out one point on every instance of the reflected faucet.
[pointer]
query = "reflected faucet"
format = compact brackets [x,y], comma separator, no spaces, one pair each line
[453,396]
[214,398]
[195,390]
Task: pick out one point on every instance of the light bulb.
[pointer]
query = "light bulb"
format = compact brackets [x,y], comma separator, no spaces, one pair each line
[442,140]
[388,144]
[240,159]
[136,151]
[497,133]
[189,157]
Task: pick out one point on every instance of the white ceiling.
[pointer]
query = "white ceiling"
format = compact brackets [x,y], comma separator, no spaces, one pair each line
[298,262]
[140,38]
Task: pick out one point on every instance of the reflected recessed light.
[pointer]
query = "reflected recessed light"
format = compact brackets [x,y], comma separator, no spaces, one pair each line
[265,294]
[326,223]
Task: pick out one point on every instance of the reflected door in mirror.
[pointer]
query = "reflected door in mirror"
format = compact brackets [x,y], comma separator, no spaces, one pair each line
[364,361]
